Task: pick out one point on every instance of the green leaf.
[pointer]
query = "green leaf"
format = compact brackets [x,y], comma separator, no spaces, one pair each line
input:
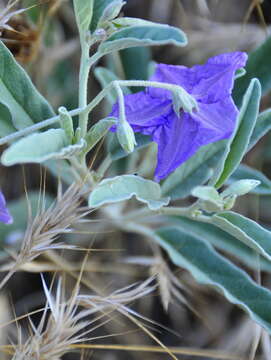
[263,125]
[244,171]
[125,187]
[66,123]
[223,241]
[110,12]
[237,145]
[98,8]
[83,13]
[105,77]
[245,230]
[150,35]
[208,193]
[6,126]
[98,131]
[258,66]
[210,268]
[116,151]
[195,171]
[18,94]
[39,147]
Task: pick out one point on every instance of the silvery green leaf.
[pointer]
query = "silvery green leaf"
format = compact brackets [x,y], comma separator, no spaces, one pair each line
[210,268]
[244,171]
[131,21]
[39,147]
[240,187]
[17,92]
[111,11]
[66,122]
[124,187]
[237,145]
[158,34]
[98,8]
[262,127]
[83,13]
[211,200]
[6,126]
[98,131]
[223,241]
[245,230]
[207,193]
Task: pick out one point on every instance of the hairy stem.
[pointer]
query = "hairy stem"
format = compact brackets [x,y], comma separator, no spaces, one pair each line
[40,125]
[83,86]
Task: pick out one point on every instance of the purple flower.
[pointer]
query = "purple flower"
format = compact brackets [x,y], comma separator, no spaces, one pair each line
[151,112]
[5,216]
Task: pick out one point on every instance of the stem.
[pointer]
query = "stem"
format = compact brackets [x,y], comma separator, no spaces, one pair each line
[35,127]
[129,83]
[83,85]
[167,211]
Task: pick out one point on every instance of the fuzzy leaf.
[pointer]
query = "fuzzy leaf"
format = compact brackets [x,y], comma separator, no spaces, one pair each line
[223,241]
[238,144]
[6,126]
[210,268]
[83,13]
[125,187]
[98,8]
[18,94]
[263,125]
[98,131]
[245,230]
[156,34]
[39,147]
[244,171]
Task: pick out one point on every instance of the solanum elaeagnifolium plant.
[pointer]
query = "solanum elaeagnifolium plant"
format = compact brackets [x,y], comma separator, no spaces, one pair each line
[202,129]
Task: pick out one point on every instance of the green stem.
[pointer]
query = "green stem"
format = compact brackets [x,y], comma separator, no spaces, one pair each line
[130,83]
[83,86]
[40,125]
[168,211]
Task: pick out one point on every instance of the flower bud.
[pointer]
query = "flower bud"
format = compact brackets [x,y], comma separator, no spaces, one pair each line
[229,202]
[126,136]
[111,11]
[240,187]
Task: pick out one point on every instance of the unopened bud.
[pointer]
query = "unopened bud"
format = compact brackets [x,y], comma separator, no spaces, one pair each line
[229,202]
[126,136]
[111,11]
[240,187]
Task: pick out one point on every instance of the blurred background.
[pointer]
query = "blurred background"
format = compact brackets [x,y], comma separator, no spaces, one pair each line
[181,312]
